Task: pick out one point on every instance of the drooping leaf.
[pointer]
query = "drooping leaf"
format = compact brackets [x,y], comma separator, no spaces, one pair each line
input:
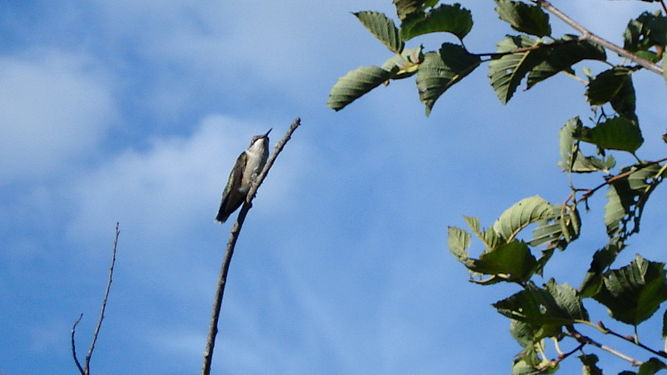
[572,159]
[616,133]
[440,70]
[354,84]
[446,18]
[507,72]
[382,28]
[512,259]
[520,215]
[589,362]
[626,199]
[562,54]
[634,292]
[526,18]
[651,366]
[615,86]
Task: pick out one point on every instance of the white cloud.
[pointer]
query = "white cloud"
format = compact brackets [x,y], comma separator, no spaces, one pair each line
[55,108]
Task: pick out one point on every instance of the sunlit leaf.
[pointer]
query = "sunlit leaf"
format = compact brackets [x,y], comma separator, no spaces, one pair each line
[404,8]
[507,71]
[572,159]
[446,18]
[458,241]
[520,215]
[561,227]
[382,28]
[488,237]
[354,84]
[440,70]
[616,133]
[634,292]
[512,259]
[404,64]
[526,18]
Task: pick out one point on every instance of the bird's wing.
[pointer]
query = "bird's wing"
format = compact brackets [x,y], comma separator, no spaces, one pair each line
[230,202]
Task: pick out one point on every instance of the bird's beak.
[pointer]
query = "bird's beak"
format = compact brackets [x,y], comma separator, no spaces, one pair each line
[267,133]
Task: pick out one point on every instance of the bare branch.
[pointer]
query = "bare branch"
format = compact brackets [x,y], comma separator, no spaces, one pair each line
[231,244]
[582,339]
[587,34]
[85,369]
[634,340]
[73,345]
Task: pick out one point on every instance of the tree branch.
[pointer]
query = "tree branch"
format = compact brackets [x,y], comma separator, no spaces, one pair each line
[587,340]
[85,369]
[607,331]
[587,34]
[231,244]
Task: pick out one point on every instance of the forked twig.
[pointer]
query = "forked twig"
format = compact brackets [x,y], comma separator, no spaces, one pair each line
[231,244]
[85,369]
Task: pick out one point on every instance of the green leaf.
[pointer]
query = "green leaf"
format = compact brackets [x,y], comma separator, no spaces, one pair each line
[626,199]
[458,241]
[440,70]
[354,84]
[513,259]
[489,238]
[405,8]
[589,362]
[615,86]
[561,55]
[404,64]
[507,72]
[529,19]
[644,32]
[560,228]
[382,28]
[446,18]
[651,366]
[573,160]
[634,292]
[602,259]
[545,309]
[523,333]
[616,133]
[520,215]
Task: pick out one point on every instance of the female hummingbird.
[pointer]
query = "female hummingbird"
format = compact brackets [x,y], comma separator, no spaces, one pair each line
[248,166]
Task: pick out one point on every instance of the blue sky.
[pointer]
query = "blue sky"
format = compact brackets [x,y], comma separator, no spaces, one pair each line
[135,110]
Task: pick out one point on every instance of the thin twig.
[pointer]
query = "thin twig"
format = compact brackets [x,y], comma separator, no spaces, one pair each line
[634,340]
[85,369]
[582,339]
[664,7]
[231,244]
[73,344]
[587,34]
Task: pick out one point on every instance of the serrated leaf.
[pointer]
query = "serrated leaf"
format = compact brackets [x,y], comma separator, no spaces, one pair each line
[589,362]
[560,228]
[634,292]
[446,18]
[404,8]
[615,86]
[489,237]
[529,19]
[651,366]
[626,199]
[561,55]
[354,84]
[440,70]
[520,215]
[512,259]
[507,72]
[545,309]
[383,28]
[616,133]
[458,241]
[602,259]
[573,160]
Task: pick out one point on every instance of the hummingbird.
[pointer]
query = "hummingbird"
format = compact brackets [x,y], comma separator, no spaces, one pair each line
[248,166]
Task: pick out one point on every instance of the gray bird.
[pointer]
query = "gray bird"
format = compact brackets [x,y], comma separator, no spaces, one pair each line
[248,166]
